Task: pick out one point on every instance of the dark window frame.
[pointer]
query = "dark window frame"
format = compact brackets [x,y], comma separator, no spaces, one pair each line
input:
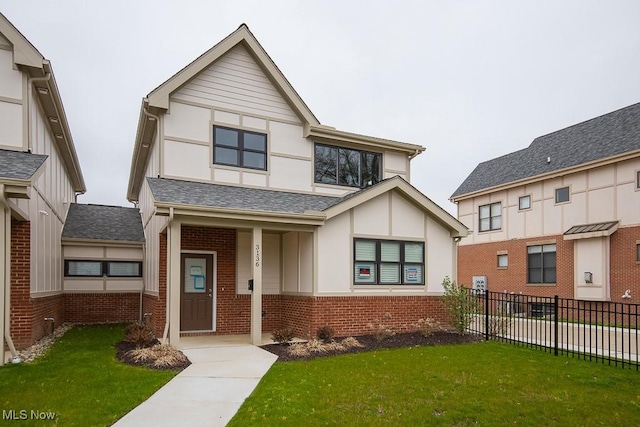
[638,180]
[502,267]
[104,268]
[402,263]
[638,253]
[362,174]
[240,148]
[520,199]
[557,194]
[491,217]
[544,271]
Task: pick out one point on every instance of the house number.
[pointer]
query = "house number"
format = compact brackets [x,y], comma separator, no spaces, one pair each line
[257,255]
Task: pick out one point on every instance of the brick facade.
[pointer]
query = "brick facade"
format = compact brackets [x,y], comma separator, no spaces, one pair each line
[101,307]
[481,260]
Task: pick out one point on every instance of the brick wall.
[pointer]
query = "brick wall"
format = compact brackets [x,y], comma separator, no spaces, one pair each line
[352,315]
[625,270]
[21,310]
[481,260]
[101,307]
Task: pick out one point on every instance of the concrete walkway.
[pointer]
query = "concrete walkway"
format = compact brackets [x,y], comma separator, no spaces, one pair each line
[207,393]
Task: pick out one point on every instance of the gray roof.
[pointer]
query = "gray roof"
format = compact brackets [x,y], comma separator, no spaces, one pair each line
[241,198]
[19,165]
[605,136]
[99,222]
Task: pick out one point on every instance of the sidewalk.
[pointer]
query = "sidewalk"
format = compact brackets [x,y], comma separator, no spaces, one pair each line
[207,393]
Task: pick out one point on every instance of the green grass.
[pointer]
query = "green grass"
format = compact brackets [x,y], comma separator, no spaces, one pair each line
[79,379]
[486,384]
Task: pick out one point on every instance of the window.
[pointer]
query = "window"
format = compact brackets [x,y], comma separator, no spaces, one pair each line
[490,217]
[524,202]
[388,262]
[240,148]
[637,180]
[73,268]
[503,260]
[562,195]
[345,166]
[541,264]
[638,252]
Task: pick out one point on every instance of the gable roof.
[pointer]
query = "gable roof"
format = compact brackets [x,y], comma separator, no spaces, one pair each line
[157,101]
[19,165]
[104,223]
[257,201]
[30,60]
[604,137]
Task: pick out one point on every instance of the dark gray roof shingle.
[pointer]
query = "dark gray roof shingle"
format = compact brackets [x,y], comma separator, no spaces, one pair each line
[99,222]
[609,135]
[241,198]
[19,165]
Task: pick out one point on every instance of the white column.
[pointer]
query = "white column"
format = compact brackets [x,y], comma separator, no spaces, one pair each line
[5,284]
[173,283]
[256,295]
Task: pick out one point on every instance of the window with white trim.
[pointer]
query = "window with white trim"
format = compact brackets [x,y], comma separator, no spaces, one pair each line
[541,264]
[388,262]
[242,148]
[490,217]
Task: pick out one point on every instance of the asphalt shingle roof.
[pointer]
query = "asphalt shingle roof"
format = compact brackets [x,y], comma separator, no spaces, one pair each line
[19,165]
[612,134]
[241,198]
[99,222]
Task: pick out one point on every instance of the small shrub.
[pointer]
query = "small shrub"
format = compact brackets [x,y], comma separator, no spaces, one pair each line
[298,350]
[381,328]
[160,356]
[351,342]
[428,326]
[283,336]
[499,325]
[139,334]
[334,346]
[316,346]
[325,333]
[459,304]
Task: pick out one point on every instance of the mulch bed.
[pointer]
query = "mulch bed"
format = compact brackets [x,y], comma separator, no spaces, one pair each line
[370,343]
[123,347]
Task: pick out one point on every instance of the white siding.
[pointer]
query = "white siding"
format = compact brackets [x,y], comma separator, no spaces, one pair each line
[270,266]
[236,82]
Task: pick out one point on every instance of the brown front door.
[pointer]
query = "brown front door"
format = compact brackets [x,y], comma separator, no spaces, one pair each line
[197,293]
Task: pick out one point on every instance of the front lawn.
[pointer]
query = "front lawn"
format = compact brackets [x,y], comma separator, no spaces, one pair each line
[79,380]
[482,384]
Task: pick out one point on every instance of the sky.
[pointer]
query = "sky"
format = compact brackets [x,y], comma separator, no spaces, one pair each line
[468,80]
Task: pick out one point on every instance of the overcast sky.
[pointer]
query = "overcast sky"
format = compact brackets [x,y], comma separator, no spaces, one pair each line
[469,80]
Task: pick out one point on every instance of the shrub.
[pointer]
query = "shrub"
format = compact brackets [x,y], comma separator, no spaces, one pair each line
[428,326]
[139,334]
[160,356]
[499,325]
[298,350]
[459,305]
[381,329]
[351,342]
[282,336]
[325,333]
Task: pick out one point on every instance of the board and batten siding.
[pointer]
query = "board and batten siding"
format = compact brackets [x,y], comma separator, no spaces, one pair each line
[389,216]
[606,193]
[11,100]
[271,263]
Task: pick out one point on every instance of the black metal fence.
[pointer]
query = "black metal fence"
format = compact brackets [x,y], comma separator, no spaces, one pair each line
[600,331]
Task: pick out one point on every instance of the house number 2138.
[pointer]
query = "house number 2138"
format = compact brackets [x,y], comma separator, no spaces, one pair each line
[257,255]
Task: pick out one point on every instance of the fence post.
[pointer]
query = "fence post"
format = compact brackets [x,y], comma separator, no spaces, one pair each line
[486,314]
[555,324]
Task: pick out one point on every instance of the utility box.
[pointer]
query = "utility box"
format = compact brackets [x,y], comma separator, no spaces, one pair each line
[479,286]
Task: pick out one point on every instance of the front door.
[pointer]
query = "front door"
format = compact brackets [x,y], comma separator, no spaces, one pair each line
[197,293]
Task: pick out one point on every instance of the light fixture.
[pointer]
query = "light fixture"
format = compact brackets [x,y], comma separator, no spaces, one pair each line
[45,213]
[43,91]
[59,135]
[588,277]
[53,119]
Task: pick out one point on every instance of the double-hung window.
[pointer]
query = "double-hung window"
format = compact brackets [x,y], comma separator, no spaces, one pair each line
[490,217]
[242,148]
[346,166]
[541,264]
[388,262]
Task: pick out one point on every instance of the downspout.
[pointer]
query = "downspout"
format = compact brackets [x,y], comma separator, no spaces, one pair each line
[144,266]
[5,240]
[167,314]
[30,81]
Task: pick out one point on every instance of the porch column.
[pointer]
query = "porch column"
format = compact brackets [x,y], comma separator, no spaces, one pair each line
[256,295]
[173,285]
[5,282]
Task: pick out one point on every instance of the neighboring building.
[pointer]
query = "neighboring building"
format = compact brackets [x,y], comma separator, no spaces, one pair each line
[237,181]
[39,178]
[561,217]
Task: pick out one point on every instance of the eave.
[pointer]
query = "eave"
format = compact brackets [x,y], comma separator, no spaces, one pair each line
[334,136]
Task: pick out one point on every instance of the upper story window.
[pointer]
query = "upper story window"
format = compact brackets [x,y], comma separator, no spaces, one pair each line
[524,203]
[637,180]
[235,147]
[346,166]
[562,195]
[490,217]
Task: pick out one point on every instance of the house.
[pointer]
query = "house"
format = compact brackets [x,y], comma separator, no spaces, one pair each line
[560,217]
[257,217]
[40,177]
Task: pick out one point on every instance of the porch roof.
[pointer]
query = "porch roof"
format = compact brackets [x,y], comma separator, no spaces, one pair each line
[19,165]
[172,191]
